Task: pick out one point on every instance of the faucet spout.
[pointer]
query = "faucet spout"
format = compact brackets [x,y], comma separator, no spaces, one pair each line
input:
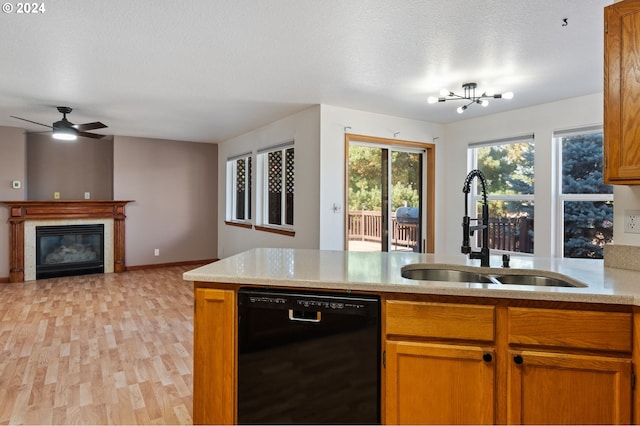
[483,224]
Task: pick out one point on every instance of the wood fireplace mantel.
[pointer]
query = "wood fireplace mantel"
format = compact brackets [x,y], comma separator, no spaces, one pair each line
[20,211]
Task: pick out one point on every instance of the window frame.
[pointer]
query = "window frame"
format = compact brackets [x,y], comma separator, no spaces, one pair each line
[560,196]
[232,198]
[476,196]
[262,163]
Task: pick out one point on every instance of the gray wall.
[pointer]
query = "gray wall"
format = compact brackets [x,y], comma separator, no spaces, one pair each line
[70,168]
[174,186]
[12,167]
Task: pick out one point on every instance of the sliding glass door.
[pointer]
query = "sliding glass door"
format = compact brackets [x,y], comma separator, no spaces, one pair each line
[385,203]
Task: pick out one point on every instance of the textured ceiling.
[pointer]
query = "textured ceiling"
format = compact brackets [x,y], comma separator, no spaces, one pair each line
[207,70]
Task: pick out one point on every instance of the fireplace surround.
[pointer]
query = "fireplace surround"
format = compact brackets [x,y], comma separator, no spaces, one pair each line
[25,216]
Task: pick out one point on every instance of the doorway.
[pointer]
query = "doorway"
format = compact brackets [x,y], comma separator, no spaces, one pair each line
[390,192]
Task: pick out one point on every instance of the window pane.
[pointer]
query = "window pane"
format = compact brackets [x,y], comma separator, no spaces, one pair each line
[289,185]
[508,167]
[510,226]
[275,187]
[240,188]
[248,186]
[582,165]
[588,226]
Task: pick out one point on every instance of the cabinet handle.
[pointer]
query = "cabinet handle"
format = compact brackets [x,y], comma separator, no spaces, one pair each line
[518,359]
[487,357]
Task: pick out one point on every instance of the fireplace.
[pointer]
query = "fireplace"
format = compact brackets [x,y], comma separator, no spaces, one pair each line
[25,216]
[65,250]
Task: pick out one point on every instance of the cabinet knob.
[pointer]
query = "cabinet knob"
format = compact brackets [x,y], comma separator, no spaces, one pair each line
[518,359]
[487,357]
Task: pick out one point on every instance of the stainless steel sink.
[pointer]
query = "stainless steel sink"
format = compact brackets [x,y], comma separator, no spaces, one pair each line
[428,274]
[537,280]
[451,273]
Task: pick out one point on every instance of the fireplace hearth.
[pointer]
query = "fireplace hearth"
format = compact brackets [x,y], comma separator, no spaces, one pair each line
[67,250]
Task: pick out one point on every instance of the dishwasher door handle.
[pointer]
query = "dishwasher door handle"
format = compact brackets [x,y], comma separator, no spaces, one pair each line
[293,317]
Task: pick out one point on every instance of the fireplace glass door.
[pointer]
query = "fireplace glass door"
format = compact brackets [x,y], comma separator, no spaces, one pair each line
[69,250]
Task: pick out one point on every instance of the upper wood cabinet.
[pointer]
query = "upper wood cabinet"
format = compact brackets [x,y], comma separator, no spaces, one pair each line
[622,93]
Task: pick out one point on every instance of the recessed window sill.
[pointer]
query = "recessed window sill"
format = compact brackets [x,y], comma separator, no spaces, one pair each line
[281,231]
[239,224]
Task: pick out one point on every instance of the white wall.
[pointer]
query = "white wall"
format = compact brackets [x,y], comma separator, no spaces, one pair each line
[304,128]
[332,160]
[542,120]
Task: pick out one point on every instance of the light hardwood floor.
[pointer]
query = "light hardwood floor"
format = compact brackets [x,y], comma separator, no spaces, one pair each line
[98,349]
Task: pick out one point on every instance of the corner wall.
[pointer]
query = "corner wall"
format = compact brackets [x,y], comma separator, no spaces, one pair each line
[174,187]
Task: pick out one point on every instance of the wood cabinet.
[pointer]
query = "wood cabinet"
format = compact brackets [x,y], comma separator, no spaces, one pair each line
[214,360]
[622,92]
[478,361]
[569,367]
[448,375]
[450,363]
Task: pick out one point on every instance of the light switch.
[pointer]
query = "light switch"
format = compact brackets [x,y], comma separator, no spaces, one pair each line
[16,184]
[56,195]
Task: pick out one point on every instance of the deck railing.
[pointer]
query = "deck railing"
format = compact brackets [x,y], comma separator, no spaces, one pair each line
[510,234]
[366,225]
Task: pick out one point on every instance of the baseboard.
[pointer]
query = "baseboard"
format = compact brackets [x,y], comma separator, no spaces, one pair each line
[4,280]
[166,265]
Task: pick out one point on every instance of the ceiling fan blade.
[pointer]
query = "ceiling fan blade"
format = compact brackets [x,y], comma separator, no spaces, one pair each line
[91,135]
[34,122]
[90,126]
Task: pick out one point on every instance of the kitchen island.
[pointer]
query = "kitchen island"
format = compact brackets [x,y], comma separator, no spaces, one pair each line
[453,352]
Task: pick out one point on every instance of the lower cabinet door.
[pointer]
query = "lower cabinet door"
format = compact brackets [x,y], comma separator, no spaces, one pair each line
[430,383]
[556,388]
[214,398]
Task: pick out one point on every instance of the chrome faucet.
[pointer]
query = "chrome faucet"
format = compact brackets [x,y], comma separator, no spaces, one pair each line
[468,230]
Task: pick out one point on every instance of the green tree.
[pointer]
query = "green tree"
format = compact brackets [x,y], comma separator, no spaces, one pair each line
[588,225]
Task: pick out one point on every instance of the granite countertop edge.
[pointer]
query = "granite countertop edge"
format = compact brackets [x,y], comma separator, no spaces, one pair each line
[381,273]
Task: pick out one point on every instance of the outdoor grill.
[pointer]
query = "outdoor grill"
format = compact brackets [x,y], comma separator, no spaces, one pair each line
[407,215]
[407,220]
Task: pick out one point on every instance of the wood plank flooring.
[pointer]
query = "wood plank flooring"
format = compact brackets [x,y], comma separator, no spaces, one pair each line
[98,349]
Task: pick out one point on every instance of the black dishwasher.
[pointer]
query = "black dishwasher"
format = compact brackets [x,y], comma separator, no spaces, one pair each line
[308,358]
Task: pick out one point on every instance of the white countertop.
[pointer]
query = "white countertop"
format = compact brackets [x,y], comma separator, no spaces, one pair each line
[380,272]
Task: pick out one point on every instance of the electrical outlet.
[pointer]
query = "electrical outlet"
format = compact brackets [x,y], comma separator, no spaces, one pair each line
[156,252]
[56,195]
[632,221]
[87,195]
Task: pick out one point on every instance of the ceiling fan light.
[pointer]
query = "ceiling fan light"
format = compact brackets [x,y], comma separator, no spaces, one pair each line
[65,134]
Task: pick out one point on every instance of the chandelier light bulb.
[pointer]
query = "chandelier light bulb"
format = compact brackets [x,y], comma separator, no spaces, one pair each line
[508,95]
[432,99]
[484,102]
[444,92]
[461,109]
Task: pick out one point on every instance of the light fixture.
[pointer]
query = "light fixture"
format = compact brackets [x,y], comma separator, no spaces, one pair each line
[63,130]
[469,95]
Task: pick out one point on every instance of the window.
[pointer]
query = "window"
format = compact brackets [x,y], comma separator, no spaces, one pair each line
[585,203]
[239,188]
[508,166]
[278,187]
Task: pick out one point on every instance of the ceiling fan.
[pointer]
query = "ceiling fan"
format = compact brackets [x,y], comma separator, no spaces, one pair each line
[66,130]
